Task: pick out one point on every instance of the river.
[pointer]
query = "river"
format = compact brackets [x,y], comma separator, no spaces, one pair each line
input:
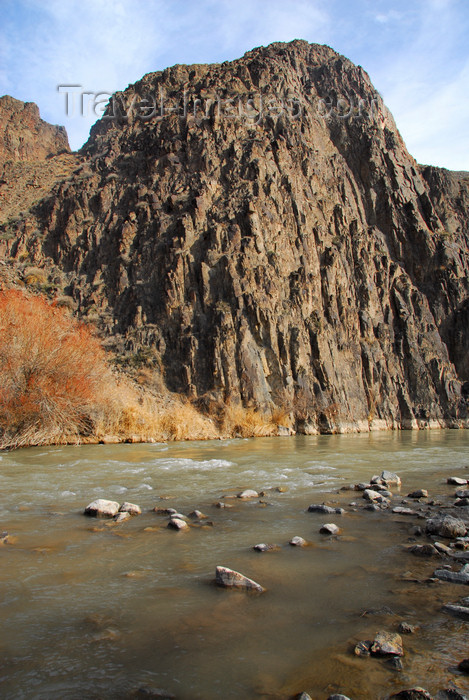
[97,610]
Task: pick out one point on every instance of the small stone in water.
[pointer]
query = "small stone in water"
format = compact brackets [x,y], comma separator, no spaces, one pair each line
[464,665]
[130,508]
[220,504]
[457,610]
[390,477]
[456,481]
[321,508]
[302,696]
[122,517]
[337,696]
[177,524]
[387,643]
[424,550]
[297,541]
[420,493]
[461,576]
[265,547]
[196,515]
[248,493]
[400,510]
[406,628]
[329,529]
[395,663]
[363,648]
[229,578]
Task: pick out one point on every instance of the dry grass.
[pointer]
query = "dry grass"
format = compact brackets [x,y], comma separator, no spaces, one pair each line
[238,421]
[56,387]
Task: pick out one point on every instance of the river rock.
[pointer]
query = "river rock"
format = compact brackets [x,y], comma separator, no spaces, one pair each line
[248,493]
[371,495]
[329,529]
[416,693]
[229,578]
[390,477]
[424,550]
[462,493]
[419,493]
[302,696]
[395,663]
[130,508]
[177,524]
[451,694]
[122,517]
[457,610]
[363,648]
[456,481]
[196,515]
[297,541]
[461,576]
[446,526]
[262,547]
[164,511]
[102,508]
[462,502]
[327,510]
[406,628]
[178,516]
[221,504]
[386,644]
[401,510]
[337,696]
[443,548]
[464,665]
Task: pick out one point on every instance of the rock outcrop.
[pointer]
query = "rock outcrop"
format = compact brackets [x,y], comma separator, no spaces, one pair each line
[34,155]
[257,231]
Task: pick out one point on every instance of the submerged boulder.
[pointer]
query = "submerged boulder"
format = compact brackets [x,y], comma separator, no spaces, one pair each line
[446,526]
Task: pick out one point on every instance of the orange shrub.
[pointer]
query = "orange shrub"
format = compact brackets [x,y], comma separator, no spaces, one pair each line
[51,371]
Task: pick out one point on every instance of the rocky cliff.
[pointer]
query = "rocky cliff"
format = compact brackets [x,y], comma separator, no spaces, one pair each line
[34,155]
[257,231]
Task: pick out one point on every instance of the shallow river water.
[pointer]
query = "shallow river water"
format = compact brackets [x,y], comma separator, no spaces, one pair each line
[91,609]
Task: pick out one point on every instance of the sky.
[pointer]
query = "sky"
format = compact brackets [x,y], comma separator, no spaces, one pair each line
[415,51]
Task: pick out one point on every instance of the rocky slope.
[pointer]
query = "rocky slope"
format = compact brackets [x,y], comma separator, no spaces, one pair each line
[34,155]
[264,236]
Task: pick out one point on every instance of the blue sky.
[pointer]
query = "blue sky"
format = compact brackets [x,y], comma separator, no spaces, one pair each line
[415,51]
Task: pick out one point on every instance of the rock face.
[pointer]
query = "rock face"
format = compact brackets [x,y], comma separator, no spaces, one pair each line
[24,136]
[34,155]
[264,235]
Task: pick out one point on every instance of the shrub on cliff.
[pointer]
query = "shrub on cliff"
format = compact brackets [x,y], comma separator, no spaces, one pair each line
[52,372]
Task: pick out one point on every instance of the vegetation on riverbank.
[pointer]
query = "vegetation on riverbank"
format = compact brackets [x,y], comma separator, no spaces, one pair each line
[57,387]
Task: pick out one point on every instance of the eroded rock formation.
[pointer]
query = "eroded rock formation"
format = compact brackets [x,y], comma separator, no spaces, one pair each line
[258,231]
